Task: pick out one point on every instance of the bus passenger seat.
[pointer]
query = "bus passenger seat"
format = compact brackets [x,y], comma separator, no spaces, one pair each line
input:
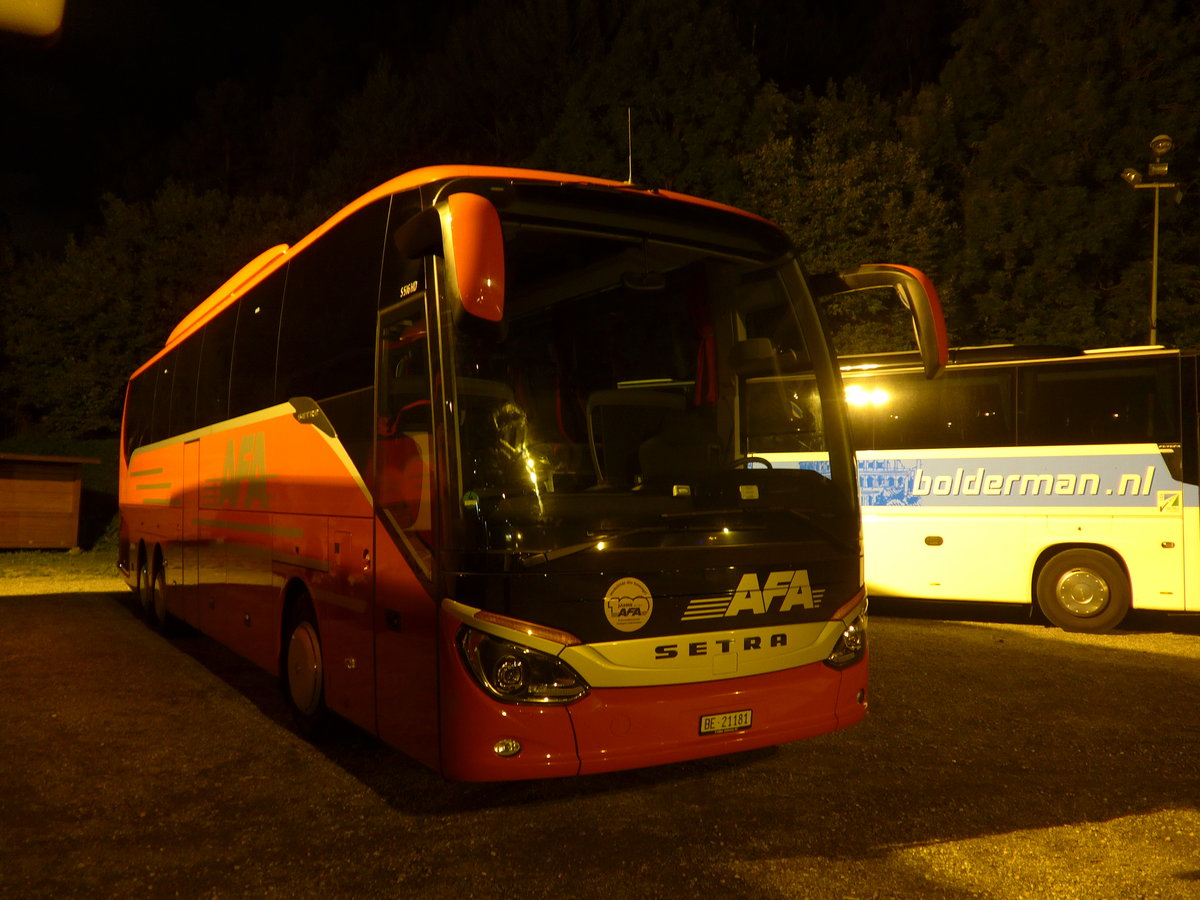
[685,448]
[618,421]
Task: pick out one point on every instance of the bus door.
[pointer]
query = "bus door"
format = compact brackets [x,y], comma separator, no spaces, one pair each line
[1159,572]
[405,608]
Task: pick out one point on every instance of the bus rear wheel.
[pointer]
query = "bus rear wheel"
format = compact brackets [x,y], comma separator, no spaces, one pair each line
[1083,590]
[158,598]
[144,591]
[304,670]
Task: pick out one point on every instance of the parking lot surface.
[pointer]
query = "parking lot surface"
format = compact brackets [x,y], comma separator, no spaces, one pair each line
[1000,759]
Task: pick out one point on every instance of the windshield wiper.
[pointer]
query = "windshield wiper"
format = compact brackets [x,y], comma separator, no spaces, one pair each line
[807,517]
[674,520]
[534,560]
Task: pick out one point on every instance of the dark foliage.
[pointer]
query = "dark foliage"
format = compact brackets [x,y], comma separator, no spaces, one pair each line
[981,141]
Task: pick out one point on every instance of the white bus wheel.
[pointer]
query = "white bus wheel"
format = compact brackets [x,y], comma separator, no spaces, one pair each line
[1083,590]
[303,669]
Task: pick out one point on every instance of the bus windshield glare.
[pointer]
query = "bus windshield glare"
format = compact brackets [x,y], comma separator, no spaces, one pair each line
[602,410]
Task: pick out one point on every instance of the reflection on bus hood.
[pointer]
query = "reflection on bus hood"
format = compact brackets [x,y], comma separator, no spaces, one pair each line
[696,528]
[732,510]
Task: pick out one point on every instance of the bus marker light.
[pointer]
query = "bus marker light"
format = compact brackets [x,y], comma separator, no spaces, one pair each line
[541,631]
[507,747]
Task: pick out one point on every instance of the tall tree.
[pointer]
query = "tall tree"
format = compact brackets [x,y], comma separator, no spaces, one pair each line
[1049,103]
[851,190]
[672,97]
[78,327]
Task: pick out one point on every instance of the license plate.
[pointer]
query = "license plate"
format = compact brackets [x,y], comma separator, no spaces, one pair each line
[719,723]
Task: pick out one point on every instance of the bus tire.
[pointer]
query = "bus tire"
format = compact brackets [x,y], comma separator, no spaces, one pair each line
[1083,590]
[157,613]
[303,670]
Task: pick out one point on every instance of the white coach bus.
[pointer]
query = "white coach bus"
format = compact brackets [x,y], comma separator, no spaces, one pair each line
[1063,478]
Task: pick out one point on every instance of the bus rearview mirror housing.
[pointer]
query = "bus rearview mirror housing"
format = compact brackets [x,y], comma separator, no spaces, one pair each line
[465,230]
[915,291]
[474,250]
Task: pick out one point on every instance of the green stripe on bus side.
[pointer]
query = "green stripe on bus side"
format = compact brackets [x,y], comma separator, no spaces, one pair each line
[253,528]
[239,552]
[302,562]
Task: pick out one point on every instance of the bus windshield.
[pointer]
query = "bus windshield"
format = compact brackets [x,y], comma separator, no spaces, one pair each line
[610,408]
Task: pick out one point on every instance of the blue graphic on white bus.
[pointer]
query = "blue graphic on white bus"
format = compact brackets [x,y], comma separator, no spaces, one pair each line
[886,482]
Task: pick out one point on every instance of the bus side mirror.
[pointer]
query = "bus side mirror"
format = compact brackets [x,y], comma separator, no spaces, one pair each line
[915,291]
[465,230]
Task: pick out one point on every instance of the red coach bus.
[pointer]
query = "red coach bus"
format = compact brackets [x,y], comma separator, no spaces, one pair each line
[474,465]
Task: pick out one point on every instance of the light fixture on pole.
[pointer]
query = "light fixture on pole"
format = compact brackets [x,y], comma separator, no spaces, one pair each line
[1160,146]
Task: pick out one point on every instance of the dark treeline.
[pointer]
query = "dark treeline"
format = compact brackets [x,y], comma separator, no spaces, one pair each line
[980,140]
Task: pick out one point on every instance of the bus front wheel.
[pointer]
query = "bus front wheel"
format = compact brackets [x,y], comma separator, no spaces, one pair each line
[1083,590]
[304,670]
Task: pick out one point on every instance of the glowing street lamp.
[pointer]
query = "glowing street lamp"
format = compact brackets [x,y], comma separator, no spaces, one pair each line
[1160,146]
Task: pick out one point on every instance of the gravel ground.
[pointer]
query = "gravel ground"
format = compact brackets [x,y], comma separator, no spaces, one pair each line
[1000,759]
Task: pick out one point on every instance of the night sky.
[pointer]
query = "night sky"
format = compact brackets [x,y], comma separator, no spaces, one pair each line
[124,75]
[91,112]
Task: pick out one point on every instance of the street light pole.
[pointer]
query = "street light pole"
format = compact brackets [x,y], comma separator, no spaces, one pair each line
[1160,146]
[1154,274]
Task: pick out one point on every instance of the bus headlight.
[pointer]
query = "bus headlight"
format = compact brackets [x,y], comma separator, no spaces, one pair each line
[518,674]
[851,647]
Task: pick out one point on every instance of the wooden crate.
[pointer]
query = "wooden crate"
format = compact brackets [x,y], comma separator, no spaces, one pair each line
[39,500]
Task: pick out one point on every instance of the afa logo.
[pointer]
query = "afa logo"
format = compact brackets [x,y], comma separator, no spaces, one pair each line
[778,592]
[243,481]
[628,604]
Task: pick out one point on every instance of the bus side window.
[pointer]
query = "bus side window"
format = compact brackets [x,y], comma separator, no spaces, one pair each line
[1127,401]
[327,330]
[139,410]
[252,376]
[161,421]
[977,409]
[404,402]
[212,380]
[183,390]
[405,424]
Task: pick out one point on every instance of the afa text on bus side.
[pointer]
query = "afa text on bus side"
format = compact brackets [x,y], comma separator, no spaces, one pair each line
[478,465]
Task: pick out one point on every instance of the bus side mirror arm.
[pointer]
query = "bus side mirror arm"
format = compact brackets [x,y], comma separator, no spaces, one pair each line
[915,291]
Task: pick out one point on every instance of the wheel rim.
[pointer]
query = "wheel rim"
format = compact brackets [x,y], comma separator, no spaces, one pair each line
[1082,592]
[304,668]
